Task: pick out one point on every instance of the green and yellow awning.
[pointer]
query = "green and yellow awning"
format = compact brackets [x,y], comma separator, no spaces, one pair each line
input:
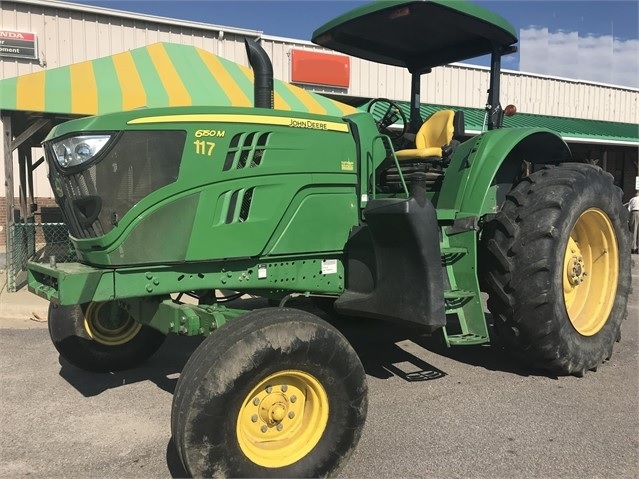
[158,75]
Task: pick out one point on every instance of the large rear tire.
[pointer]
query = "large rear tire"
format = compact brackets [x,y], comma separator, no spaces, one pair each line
[101,336]
[556,265]
[276,392]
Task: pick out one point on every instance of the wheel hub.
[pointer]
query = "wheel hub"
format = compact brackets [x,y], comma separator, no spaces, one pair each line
[107,323]
[273,408]
[282,419]
[576,270]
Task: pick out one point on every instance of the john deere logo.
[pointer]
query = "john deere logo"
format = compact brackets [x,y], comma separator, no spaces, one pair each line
[348,166]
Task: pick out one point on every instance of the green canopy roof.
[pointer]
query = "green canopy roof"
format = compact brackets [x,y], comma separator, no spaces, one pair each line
[570,129]
[417,34]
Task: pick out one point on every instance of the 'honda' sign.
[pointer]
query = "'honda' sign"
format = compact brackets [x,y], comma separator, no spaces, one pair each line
[18,45]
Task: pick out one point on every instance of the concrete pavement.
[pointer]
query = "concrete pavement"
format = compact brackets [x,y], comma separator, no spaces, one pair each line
[467,412]
[20,307]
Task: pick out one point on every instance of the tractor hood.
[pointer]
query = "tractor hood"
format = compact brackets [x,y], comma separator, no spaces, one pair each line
[417,35]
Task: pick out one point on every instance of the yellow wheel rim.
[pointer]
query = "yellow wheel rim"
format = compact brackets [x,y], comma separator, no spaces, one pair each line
[282,419]
[591,269]
[109,324]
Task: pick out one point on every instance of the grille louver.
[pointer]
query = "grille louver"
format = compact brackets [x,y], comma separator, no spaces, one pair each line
[246,150]
[242,200]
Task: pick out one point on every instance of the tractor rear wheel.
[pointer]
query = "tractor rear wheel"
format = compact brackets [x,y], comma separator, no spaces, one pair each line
[555,263]
[276,392]
[101,336]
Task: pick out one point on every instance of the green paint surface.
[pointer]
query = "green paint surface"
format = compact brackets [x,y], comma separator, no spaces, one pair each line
[197,78]
[108,86]
[55,82]
[156,95]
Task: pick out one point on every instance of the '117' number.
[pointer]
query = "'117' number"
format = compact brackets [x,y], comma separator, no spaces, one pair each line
[204,147]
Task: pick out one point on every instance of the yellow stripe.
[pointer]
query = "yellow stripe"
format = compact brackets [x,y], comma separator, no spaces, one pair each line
[30,92]
[175,89]
[133,92]
[278,102]
[257,119]
[84,91]
[306,98]
[344,108]
[224,78]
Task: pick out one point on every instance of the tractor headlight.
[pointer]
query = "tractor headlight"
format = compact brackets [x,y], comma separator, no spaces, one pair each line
[75,150]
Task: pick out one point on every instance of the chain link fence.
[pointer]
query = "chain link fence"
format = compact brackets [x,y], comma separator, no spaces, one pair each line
[35,242]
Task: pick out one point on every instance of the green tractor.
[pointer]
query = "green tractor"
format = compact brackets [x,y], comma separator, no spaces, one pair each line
[376,214]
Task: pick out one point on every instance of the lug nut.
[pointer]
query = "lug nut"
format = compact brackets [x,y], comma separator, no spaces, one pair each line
[293,398]
[264,428]
[291,415]
[254,418]
[269,389]
[284,388]
[256,401]
[279,427]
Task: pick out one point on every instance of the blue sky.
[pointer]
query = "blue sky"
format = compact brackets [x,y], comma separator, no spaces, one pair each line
[594,40]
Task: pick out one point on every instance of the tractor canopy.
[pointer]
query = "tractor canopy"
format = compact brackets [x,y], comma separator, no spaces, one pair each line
[417,34]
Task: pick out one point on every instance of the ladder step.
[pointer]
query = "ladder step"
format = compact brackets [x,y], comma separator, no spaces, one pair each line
[458,294]
[451,250]
[466,339]
[451,255]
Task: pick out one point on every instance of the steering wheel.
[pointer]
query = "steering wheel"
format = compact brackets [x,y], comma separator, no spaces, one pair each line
[392,113]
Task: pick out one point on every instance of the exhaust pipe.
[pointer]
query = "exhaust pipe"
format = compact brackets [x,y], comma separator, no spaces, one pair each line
[263,73]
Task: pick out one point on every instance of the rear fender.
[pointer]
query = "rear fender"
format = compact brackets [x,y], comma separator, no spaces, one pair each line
[484,168]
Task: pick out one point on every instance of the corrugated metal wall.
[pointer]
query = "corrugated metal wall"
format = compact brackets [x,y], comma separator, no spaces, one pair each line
[67,35]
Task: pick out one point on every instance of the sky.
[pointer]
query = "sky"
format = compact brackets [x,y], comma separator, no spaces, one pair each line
[594,40]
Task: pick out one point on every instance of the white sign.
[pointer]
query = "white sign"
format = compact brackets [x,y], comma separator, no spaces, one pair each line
[18,45]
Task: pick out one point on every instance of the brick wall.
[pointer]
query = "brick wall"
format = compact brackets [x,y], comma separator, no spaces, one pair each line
[47,212]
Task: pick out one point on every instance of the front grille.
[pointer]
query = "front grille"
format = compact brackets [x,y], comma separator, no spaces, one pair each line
[95,199]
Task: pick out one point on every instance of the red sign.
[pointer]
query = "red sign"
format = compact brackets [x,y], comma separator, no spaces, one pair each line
[18,44]
[317,68]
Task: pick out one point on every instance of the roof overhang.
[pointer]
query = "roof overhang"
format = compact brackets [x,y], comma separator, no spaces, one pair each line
[571,130]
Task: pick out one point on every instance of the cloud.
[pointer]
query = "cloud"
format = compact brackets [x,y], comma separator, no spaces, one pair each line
[625,62]
[566,54]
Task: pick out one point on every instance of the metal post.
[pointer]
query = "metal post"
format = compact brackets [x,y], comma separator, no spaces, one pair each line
[415,101]
[7,138]
[493,106]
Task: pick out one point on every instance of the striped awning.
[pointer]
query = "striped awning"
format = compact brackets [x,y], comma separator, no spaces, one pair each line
[158,75]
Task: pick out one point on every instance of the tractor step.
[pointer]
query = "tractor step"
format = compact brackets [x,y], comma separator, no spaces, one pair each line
[458,294]
[456,298]
[450,255]
[465,339]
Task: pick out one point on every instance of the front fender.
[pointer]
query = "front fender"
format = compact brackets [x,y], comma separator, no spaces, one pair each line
[484,168]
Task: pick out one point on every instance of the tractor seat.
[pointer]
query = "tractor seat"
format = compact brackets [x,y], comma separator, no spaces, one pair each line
[436,138]
[434,144]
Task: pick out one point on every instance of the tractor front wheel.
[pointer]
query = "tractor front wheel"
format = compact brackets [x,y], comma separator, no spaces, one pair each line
[101,336]
[556,265]
[276,392]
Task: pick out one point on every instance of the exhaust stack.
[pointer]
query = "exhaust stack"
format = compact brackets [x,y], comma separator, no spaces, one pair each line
[263,73]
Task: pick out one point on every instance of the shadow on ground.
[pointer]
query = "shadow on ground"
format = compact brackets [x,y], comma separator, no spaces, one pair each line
[163,369]
[378,344]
